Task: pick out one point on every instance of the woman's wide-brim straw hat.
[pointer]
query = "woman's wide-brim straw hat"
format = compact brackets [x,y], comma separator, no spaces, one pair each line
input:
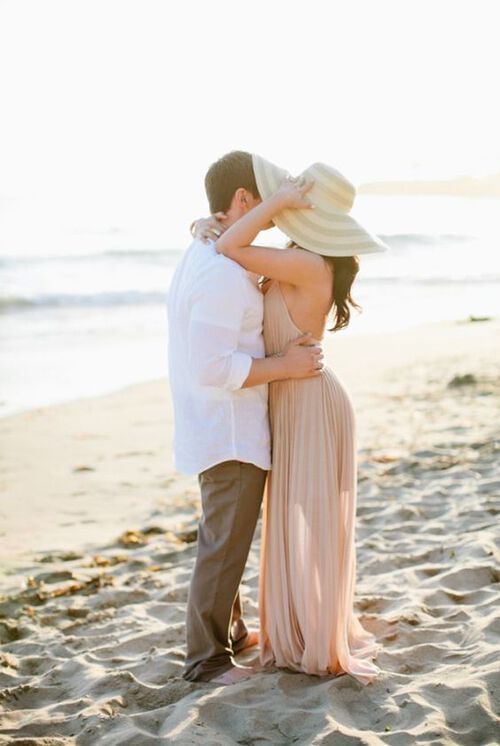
[328,229]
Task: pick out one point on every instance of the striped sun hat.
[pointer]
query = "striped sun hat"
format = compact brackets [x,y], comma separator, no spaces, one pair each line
[328,229]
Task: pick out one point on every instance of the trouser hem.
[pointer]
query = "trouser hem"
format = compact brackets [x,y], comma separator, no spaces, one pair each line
[201,673]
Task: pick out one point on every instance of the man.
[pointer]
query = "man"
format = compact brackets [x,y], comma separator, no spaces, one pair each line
[218,375]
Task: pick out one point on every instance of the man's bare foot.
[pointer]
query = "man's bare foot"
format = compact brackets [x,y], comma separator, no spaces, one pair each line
[250,641]
[233,675]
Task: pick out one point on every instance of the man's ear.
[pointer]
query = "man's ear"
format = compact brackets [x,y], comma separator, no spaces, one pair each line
[240,196]
[242,201]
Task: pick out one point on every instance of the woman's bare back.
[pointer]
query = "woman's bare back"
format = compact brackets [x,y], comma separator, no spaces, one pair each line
[309,305]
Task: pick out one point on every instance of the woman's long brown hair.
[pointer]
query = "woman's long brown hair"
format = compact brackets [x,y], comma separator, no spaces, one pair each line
[344,270]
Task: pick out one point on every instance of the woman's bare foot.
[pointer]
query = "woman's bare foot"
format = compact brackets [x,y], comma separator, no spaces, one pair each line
[233,675]
[250,641]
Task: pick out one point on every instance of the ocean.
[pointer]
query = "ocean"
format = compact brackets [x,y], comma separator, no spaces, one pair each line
[77,325]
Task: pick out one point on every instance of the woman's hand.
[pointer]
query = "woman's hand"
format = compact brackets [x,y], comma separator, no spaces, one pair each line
[292,193]
[209,229]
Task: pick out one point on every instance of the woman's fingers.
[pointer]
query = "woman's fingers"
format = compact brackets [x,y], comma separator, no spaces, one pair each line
[294,191]
[216,227]
[302,183]
[208,234]
[303,186]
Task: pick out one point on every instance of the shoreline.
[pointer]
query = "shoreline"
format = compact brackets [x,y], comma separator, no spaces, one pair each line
[113,380]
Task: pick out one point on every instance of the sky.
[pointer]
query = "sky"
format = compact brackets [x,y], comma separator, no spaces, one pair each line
[112,110]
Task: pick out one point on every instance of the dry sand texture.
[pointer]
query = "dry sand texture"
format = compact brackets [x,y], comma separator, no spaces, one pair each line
[92,643]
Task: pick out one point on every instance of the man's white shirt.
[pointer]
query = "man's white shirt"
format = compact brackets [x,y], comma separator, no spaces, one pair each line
[215,315]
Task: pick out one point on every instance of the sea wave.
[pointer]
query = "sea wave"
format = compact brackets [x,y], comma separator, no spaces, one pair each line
[146,255]
[13,303]
[67,300]
[167,255]
[437,280]
[424,239]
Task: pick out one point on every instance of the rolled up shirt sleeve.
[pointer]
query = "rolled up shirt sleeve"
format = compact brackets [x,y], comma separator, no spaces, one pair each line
[214,330]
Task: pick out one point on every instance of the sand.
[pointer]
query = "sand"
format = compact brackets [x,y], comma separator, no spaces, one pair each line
[99,541]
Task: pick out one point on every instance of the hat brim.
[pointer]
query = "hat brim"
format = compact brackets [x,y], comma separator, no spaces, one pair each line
[326,230]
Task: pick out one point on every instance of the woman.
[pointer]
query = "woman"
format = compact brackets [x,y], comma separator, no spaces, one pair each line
[308,563]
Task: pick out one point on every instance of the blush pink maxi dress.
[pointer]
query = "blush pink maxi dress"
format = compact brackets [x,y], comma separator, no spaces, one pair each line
[308,557]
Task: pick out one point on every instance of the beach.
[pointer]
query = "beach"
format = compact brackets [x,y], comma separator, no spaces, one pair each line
[99,540]
[104,173]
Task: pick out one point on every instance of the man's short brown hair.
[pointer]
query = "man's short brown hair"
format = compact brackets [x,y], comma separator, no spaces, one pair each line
[226,175]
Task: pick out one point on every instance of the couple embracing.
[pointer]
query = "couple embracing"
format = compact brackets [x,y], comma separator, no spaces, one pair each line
[256,412]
